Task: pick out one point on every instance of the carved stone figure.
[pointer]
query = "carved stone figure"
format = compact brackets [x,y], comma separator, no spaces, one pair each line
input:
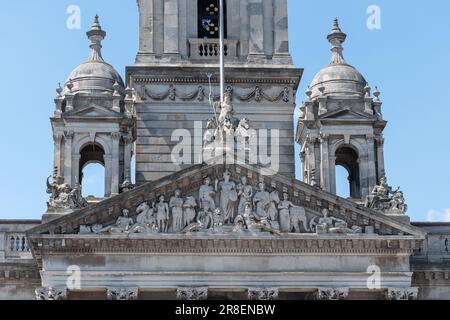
[207,195]
[210,133]
[398,202]
[285,207]
[329,224]
[126,186]
[145,221]
[123,224]
[273,210]
[162,215]
[228,197]
[189,213]
[217,220]
[379,199]
[176,205]
[239,224]
[245,194]
[261,202]
[63,197]
[243,134]
[226,109]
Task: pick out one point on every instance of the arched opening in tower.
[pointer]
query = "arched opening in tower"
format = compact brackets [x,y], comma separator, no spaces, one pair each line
[347,159]
[92,171]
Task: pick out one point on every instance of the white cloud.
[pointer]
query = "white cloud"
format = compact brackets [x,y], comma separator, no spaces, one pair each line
[438,216]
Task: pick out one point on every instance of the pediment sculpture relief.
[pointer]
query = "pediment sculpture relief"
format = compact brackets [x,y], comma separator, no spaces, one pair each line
[225,206]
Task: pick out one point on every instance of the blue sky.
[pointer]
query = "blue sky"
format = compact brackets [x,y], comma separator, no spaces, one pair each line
[407,59]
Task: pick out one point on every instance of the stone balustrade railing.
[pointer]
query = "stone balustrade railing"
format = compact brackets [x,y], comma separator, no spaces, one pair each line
[13,240]
[209,49]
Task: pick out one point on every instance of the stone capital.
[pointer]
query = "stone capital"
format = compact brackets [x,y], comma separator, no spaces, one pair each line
[332,294]
[122,293]
[69,134]
[192,294]
[49,293]
[263,294]
[116,135]
[402,293]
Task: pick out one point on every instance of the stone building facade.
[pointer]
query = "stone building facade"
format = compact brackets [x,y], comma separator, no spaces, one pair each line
[196,230]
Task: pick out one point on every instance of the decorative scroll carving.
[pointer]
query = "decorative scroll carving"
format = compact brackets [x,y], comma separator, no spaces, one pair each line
[122,293]
[48,293]
[332,293]
[263,294]
[384,199]
[402,294]
[257,94]
[192,294]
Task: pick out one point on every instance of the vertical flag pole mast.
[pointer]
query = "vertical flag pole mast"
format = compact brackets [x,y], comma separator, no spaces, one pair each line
[222,55]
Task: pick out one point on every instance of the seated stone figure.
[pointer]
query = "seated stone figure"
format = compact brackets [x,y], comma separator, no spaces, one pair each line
[398,202]
[380,197]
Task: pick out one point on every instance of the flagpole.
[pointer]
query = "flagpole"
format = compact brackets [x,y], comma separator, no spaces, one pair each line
[222,54]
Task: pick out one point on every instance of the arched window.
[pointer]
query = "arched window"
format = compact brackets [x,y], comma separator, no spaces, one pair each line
[92,171]
[208,19]
[347,164]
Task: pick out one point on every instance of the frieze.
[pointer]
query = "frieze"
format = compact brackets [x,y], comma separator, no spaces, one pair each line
[301,244]
[258,94]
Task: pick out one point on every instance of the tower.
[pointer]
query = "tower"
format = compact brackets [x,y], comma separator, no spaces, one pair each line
[179,49]
[341,124]
[93,121]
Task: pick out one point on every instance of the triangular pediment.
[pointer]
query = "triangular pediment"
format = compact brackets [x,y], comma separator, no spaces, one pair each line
[346,113]
[313,200]
[93,111]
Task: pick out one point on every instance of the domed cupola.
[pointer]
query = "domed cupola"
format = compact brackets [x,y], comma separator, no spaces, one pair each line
[338,78]
[95,75]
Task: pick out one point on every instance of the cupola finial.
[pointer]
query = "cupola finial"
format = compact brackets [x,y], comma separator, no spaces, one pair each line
[337,38]
[96,35]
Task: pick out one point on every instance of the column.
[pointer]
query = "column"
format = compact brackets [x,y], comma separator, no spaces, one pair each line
[281,29]
[245,29]
[268,27]
[371,162]
[171,43]
[115,136]
[380,158]
[255,11]
[312,169]
[76,169]
[58,137]
[146,26]
[122,294]
[324,163]
[158,27]
[68,139]
[128,140]
[332,163]
[108,174]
